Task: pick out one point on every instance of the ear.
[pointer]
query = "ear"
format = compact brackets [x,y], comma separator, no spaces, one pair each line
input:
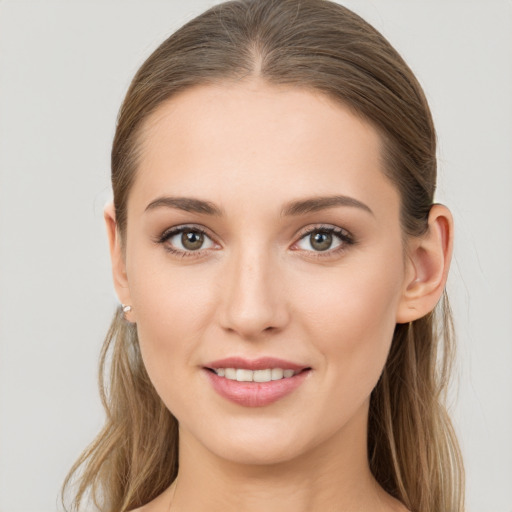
[117,257]
[428,261]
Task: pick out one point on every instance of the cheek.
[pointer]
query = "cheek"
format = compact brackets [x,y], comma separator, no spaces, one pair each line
[173,310]
[352,318]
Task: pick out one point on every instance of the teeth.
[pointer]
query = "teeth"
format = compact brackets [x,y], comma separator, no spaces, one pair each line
[262,375]
[243,375]
[230,373]
[277,373]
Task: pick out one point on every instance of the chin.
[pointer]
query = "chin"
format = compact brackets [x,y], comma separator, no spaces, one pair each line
[257,441]
[258,452]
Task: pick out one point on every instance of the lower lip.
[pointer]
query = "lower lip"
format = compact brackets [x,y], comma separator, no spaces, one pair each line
[255,394]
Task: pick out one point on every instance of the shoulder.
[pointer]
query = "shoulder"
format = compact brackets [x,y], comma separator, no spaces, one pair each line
[401,508]
[159,504]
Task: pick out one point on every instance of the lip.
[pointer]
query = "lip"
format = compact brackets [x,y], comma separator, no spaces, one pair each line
[255,394]
[261,363]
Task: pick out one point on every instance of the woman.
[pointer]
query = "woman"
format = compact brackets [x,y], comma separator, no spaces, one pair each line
[279,259]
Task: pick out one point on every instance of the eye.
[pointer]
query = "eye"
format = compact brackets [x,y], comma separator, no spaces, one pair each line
[186,239]
[323,239]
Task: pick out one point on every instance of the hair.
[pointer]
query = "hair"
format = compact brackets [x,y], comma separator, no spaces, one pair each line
[320,46]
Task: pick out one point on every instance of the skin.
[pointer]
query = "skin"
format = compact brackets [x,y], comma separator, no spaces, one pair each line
[259,287]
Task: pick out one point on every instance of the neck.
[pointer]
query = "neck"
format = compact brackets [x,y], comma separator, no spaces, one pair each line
[333,475]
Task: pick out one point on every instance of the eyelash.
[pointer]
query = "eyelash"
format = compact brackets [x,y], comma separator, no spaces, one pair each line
[343,235]
[346,239]
[169,233]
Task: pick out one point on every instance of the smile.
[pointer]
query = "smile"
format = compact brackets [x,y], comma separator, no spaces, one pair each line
[245,375]
[255,383]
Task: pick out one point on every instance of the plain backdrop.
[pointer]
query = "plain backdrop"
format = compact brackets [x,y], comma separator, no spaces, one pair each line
[64,68]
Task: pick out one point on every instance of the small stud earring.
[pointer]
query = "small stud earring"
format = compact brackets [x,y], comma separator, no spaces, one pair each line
[126,309]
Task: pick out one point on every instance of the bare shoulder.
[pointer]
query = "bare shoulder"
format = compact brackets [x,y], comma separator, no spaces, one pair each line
[400,507]
[391,504]
[159,504]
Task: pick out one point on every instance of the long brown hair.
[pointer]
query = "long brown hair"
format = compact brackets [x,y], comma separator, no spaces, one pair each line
[323,47]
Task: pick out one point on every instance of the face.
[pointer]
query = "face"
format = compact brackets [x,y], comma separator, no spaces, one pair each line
[262,235]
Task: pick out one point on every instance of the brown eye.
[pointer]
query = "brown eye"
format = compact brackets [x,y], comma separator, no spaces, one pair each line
[192,240]
[325,239]
[320,240]
[186,240]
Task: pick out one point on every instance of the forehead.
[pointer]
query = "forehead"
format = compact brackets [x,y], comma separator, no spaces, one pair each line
[233,110]
[249,137]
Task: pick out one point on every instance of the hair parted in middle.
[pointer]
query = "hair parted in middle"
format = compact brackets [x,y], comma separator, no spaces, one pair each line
[325,48]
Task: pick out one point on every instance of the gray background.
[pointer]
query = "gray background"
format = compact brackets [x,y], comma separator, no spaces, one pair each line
[64,67]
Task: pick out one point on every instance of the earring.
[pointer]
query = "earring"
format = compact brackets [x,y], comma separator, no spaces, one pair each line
[126,309]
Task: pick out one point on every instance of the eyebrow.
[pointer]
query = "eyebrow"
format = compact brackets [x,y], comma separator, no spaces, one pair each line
[293,208]
[187,204]
[315,204]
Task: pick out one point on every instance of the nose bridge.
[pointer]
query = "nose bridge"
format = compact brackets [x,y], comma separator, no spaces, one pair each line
[253,299]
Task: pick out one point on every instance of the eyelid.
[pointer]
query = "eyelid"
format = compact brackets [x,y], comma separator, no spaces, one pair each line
[345,237]
[175,230]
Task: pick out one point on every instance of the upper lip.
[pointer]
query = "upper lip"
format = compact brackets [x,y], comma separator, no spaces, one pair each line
[261,363]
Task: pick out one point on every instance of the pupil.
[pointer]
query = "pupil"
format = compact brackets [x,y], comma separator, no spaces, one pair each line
[192,240]
[321,241]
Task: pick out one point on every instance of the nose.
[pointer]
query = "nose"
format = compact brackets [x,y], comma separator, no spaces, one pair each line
[254,300]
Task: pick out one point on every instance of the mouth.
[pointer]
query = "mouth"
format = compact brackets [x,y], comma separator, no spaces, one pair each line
[255,383]
[247,375]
